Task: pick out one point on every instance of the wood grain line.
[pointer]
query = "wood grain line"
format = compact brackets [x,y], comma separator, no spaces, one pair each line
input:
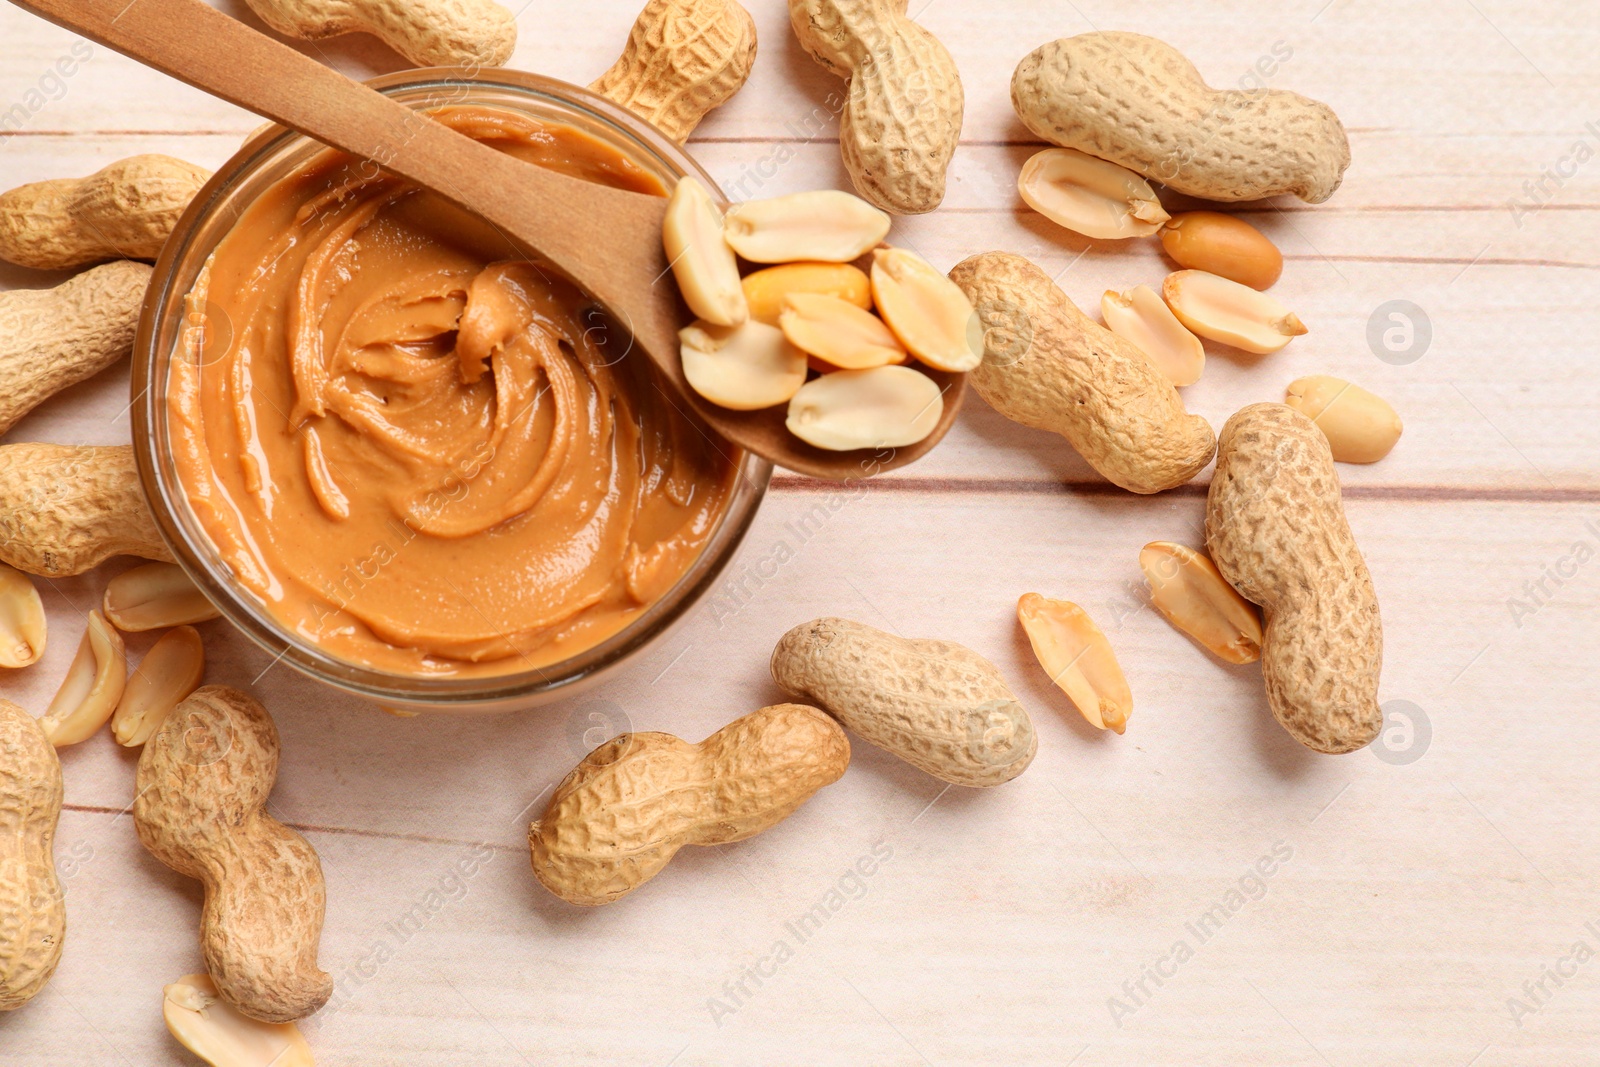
[983,142]
[1447,261]
[240,132]
[790,483]
[346,831]
[350,831]
[730,140]
[1258,207]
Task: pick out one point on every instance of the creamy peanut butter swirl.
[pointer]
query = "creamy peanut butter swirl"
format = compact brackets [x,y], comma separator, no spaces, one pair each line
[420,453]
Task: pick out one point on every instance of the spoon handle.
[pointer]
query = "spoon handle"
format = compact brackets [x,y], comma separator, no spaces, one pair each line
[195,43]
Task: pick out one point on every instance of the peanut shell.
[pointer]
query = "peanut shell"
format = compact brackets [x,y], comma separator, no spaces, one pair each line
[1275,528]
[1049,366]
[938,705]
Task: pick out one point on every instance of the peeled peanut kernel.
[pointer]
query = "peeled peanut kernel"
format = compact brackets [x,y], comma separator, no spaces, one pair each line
[885,407]
[154,596]
[1189,591]
[22,620]
[1223,310]
[220,1034]
[703,264]
[744,367]
[1090,196]
[838,332]
[92,687]
[169,672]
[765,289]
[1361,427]
[1078,658]
[827,225]
[1224,245]
[928,312]
[1140,316]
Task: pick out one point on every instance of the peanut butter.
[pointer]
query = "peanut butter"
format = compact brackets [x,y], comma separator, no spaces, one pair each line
[423,453]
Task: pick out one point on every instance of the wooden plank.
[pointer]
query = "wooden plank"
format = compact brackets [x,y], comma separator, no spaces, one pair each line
[1498,401]
[1502,69]
[1035,900]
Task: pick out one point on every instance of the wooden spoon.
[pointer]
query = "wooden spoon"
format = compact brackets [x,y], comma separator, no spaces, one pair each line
[621,263]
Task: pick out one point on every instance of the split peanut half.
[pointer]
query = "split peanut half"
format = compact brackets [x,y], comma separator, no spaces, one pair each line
[838,332]
[1189,591]
[1140,316]
[92,687]
[765,290]
[220,1034]
[1223,310]
[702,262]
[1361,427]
[22,619]
[826,225]
[154,596]
[1078,658]
[169,672]
[1225,245]
[744,367]
[928,312]
[1090,196]
[884,407]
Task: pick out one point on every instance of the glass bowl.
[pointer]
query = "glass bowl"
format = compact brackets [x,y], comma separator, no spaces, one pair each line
[266,158]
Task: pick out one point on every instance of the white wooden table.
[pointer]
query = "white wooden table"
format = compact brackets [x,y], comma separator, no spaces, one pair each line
[1422,893]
